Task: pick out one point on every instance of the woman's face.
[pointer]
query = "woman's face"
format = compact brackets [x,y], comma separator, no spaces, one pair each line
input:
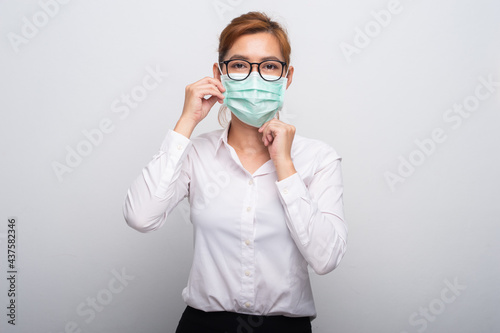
[255,48]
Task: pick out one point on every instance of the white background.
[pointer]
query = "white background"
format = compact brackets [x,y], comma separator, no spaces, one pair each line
[407,241]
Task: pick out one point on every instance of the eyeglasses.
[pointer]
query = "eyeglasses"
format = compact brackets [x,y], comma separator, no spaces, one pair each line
[269,70]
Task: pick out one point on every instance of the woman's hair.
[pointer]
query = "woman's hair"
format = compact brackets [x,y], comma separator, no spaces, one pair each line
[246,24]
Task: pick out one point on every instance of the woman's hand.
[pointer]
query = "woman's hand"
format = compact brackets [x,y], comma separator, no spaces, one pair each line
[196,107]
[278,137]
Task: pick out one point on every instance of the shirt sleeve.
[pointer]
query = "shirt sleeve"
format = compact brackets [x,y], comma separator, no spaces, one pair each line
[163,183]
[315,215]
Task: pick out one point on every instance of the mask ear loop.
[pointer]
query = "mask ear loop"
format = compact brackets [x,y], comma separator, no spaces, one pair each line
[277,115]
[223,108]
[286,74]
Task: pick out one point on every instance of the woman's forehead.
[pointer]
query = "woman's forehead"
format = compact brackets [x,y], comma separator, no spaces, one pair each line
[256,47]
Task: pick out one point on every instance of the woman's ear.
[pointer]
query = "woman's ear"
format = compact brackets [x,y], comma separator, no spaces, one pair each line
[289,76]
[216,70]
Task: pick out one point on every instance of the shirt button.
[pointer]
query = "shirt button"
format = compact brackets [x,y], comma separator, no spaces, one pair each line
[285,191]
[250,182]
[247,242]
[247,304]
[179,147]
[249,209]
[247,273]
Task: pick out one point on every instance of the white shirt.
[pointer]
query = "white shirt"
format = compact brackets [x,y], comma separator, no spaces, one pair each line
[254,236]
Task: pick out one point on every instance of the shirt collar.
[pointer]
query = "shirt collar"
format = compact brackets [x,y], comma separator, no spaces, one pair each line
[222,139]
[266,168]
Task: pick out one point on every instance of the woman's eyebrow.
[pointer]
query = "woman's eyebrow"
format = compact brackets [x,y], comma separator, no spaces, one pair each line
[239,56]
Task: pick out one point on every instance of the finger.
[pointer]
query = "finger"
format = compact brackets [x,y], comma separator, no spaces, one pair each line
[264,131]
[208,89]
[267,136]
[207,85]
[268,127]
[261,128]
[215,82]
[211,101]
[265,125]
[264,139]
[204,84]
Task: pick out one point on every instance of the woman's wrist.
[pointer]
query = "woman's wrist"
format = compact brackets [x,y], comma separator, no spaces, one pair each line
[185,127]
[284,168]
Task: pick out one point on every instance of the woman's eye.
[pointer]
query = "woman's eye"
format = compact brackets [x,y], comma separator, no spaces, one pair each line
[271,67]
[239,65]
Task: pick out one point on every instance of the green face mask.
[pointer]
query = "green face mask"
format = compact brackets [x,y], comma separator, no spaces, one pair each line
[254,100]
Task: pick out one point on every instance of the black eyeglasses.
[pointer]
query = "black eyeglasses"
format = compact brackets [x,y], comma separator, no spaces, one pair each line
[269,70]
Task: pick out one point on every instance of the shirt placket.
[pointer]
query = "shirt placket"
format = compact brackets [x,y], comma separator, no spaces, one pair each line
[247,246]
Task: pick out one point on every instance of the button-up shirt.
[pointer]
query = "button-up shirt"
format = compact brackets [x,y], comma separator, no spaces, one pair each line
[254,236]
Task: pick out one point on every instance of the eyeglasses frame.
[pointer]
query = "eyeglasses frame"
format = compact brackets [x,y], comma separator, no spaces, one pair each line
[283,64]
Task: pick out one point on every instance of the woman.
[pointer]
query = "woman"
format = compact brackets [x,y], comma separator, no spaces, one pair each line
[265,203]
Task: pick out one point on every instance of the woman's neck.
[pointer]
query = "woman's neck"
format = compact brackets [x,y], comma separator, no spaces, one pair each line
[245,138]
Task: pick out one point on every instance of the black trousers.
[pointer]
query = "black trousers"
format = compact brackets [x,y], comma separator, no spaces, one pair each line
[197,321]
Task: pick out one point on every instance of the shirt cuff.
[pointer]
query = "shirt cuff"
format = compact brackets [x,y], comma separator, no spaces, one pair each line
[291,187]
[174,143]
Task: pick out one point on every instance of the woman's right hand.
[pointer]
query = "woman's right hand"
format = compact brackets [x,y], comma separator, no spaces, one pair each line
[196,107]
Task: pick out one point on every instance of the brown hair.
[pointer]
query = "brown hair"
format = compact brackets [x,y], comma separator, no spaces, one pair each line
[250,23]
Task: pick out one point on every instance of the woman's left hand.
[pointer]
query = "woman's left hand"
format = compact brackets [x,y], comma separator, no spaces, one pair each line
[278,137]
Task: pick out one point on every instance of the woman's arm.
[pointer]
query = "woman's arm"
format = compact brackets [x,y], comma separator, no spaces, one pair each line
[165,180]
[162,184]
[315,215]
